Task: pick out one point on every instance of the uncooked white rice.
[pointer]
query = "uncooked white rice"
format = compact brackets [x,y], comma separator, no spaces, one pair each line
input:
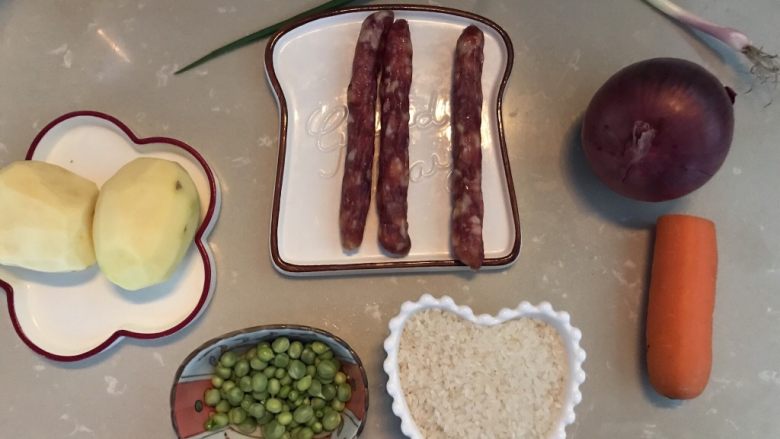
[461,380]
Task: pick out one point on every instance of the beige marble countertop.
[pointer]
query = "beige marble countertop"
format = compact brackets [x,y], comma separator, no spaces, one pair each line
[584,249]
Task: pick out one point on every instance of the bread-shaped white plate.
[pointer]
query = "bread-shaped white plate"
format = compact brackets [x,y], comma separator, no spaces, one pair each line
[72,316]
[309,66]
[557,319]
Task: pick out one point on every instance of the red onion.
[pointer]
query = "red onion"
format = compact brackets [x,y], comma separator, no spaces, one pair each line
[658,129]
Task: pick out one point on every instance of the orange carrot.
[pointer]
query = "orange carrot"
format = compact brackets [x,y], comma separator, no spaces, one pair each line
[680,306]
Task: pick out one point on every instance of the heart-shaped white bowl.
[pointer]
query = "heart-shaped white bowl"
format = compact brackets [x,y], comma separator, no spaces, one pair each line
[544,311]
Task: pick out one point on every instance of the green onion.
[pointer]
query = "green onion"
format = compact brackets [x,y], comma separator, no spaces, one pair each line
[765,66]
[259,35]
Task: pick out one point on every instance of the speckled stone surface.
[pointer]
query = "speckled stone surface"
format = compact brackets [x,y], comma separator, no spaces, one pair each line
[584,249]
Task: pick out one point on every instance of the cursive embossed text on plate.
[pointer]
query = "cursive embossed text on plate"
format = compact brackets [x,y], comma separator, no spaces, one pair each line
[326,126]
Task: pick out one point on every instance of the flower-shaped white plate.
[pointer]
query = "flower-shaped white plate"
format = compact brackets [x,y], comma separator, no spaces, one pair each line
[309,67]
[559,320]
[72,316]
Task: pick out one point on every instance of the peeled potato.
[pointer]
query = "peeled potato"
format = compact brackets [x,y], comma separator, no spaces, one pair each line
[145,219]
[46,217]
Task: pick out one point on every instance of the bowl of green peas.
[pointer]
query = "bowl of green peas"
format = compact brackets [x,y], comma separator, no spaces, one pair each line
[272,382]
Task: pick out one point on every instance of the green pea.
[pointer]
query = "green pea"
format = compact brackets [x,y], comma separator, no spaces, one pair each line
[312,420]
[286,380]
[331,420]
[223,372]
[212,397]
[260,396]
[226,387]
[286,406]
[326,370]
[303,384]
[251,353]
[248,426]
[317,403]
[308,356]
[245,384]
[263,344]
[280,373]
[269,371]
[281,360]
[296,369]
[303,414]
[284,418]
[241,368]
[280,345]
[340,378]
[337,405]
[284,392]
[318,414]
[221,419]
[228,359]
[274,386]
[297,403]
[328,392]
[315,389]
[344,392]
[235,396]
[247,402]
[316,427]
[259,382]
[223,406]
[265,353]
[256,410]
[209,425]
[326,356]
[237,415]
[304,433]
[319,347]
[266,418]
[257,364]
[273,430]
[216,381]
[293,429]
[294,395]
[273,405]
[296,348]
